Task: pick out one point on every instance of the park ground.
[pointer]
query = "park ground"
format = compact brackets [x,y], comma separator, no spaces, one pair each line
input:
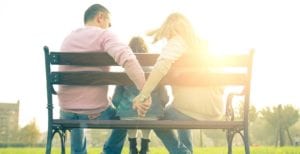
[160,150]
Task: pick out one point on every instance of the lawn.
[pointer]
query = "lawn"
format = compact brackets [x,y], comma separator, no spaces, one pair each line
[157,150]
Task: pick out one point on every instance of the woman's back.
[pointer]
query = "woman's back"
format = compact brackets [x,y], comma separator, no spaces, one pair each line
[199,102]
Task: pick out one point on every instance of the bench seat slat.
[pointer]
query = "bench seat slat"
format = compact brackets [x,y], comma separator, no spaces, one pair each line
[147,124]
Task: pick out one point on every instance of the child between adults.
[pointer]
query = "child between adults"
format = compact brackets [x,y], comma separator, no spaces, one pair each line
[123,98]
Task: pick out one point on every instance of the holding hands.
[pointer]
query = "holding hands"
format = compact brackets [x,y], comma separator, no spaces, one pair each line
[141,103]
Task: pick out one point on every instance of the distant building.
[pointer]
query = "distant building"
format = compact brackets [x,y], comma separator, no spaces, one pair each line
[9,121]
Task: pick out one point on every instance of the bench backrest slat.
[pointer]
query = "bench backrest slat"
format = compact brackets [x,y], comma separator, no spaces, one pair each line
[145,59]
[190,70]
[121,78]
[95,59]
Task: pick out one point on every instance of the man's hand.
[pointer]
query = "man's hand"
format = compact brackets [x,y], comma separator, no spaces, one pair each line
[141,106]
[94,116]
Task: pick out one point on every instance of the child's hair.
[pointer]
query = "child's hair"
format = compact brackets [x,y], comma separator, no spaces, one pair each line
[177,25]
[138,45]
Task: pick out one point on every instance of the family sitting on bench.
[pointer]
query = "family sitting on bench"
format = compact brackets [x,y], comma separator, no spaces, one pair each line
[147,98]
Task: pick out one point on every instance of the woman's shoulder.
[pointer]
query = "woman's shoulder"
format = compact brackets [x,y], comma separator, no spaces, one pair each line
[174,49]
[177,41]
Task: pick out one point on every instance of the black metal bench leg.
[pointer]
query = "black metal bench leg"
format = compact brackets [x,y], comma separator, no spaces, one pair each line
[246,142]
[229,136]
[49,142]
[62,135]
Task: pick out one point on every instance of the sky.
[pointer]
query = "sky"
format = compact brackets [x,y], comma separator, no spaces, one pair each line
[272,28]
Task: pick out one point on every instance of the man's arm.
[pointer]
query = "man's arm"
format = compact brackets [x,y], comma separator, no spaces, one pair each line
[124,56]
[135,72]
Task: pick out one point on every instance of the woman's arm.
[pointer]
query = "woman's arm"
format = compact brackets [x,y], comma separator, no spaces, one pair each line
[159,71]
[141,101]
[173,50]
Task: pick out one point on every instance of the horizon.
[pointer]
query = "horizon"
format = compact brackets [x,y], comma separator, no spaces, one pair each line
[270,27]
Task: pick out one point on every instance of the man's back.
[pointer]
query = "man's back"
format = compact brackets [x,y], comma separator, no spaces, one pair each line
[90,38]
[90,100]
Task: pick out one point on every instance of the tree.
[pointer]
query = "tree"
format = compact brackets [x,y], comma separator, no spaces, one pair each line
[30,134]
[252,112]
[261,132]
[281,118]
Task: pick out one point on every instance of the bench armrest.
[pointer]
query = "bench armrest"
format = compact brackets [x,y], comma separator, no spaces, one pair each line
[229,112]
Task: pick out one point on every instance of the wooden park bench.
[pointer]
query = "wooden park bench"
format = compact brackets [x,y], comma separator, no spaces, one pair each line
[190,70]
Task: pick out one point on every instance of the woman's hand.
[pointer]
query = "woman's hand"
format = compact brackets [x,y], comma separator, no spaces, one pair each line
[141,104]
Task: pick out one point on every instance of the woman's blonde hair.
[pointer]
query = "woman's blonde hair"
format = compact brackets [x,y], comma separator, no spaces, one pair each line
[177,25]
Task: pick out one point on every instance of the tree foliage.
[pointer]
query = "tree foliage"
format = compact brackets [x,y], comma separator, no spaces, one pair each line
[29,134]
[281,118]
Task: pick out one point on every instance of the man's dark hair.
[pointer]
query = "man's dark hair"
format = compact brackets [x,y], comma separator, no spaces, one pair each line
[92,11]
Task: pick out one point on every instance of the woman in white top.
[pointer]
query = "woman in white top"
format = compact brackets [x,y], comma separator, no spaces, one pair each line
[190,103]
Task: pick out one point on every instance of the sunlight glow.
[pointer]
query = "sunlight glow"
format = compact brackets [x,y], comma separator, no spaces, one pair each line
[270,27]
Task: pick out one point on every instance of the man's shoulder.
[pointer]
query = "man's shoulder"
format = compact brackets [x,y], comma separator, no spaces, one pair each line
[90,29]
[87,38]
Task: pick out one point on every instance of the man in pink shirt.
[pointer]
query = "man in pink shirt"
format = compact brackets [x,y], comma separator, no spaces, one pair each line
[91,102]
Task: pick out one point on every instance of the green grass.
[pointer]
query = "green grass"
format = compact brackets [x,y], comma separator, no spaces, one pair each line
[155,150]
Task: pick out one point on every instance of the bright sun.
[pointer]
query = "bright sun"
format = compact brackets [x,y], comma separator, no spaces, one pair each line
[273,34]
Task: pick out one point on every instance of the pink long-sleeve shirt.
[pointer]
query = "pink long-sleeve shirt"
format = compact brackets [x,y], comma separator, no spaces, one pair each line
[93,99]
